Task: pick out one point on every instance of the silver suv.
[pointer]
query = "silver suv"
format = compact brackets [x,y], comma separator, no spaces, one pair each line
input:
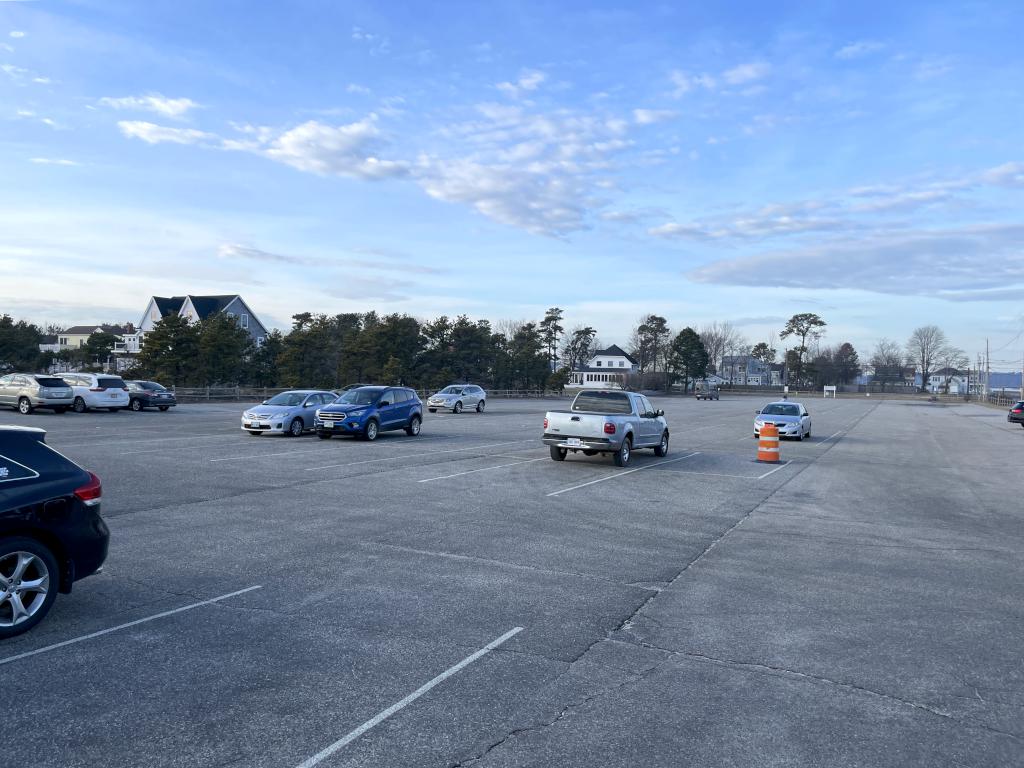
[28,391]
[458,397]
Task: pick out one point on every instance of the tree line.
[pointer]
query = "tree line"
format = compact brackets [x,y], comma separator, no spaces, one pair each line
[321,350]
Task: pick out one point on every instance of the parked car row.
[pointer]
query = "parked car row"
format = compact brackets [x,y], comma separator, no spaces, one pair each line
[81,392]
[362,410]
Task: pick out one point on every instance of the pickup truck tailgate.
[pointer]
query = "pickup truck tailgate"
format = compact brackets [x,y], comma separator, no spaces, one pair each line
[583,425]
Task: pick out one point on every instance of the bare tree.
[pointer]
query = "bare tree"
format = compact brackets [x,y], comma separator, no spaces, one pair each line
[924,347]
[887,362]
[509,328]
[720,339]
[951,360]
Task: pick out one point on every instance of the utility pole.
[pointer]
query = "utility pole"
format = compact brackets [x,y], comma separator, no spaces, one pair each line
[1022,375]
[988,370]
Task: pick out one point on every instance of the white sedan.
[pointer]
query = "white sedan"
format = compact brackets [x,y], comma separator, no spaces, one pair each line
[791,418]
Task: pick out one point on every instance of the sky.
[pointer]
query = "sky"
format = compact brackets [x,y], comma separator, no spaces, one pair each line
[738,161]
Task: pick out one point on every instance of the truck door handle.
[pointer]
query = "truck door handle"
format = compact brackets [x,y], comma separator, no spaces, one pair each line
[575,418]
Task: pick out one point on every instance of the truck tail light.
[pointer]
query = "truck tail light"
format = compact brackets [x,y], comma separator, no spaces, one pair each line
[609,428]
[91,492]
[545,422]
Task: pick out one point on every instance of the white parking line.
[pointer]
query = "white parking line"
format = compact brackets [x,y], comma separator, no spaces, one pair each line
[830,437]
[622,474]
[399,705]
[91,635]
[773,471]
[414,455]
[296,453]
[481,469]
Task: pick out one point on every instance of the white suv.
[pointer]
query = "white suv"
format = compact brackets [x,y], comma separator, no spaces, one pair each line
[97,390]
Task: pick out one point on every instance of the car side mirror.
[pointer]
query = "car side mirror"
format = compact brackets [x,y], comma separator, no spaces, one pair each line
[383,403]
[757,411]
[264,402]
[659,412]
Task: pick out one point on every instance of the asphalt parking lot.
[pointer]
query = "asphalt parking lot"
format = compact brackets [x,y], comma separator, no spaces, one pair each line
[459,599]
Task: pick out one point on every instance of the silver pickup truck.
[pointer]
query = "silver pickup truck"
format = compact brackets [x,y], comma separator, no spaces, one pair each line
[606,422]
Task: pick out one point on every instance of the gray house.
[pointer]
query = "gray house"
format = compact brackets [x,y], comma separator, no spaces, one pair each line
[195,309]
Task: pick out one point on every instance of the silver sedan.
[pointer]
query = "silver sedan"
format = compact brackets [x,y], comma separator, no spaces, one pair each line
[457,398]
[791,418]
[290,413]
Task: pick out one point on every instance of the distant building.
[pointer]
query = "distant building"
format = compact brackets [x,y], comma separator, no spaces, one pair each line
[77,336]
[750,371]
[606,369]
[196,309]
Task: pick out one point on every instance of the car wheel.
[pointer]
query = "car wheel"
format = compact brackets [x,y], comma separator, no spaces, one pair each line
[662,448]
[25,406]
[79,405]
[136,404]
[414,427]
[324,435]
[480,406]
[808,433]
[458,407]
[296,428]
[371,430]
[164,407]
[255,434]
[432,410]
[60,409]
[558,454]
[622,456]
[29,581]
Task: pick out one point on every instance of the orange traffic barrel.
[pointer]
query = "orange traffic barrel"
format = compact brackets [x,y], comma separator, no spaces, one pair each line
[768,444]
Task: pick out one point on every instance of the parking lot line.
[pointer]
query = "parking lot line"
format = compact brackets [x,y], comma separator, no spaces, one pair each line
[91,635]
[414,455]
[830,437]
[773,471]
[295,453]
[481,469]
[401,704]
[622,474]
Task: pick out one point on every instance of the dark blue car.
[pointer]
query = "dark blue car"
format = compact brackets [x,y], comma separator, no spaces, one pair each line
[367,411]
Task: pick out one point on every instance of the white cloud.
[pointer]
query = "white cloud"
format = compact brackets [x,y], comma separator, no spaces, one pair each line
[159,134]
[153,102]
[343,150]
[931,68]
[25,113]
[42,80]
[52,161]
[6,47]
[928,263]
[529,80]
[858,49]
[746,73]
[17,33]
[356,88]
[651,116]
[246,253]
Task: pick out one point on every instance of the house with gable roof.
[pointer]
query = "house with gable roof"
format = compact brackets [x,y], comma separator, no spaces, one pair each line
[195,309]
[606,369]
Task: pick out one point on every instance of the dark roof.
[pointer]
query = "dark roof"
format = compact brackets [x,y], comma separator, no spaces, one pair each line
[169,306]
[600,369]
[117,330]
[211,305]
[615,351]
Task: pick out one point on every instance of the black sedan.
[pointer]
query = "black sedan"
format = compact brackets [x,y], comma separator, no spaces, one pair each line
[149,394]
[1016,414]
[51,532]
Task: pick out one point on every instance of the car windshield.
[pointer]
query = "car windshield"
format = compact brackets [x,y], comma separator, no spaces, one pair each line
[360,397]
[50,382]
[451,391]
[288,399]
[781,409]
[602,402]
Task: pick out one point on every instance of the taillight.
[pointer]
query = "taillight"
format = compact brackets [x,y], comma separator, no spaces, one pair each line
[609,428]
[545,422]
[90,493]
[1017,410]
[125,388]
[97,389]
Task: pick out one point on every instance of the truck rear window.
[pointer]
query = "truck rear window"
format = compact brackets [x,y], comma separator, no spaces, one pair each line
[602,402]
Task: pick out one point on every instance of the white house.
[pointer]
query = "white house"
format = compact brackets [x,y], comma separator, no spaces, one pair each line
[195,309]
[606,369]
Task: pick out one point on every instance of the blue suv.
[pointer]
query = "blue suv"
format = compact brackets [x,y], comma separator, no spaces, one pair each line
[368,411]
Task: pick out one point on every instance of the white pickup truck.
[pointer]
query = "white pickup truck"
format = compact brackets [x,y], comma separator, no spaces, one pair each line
[606,422]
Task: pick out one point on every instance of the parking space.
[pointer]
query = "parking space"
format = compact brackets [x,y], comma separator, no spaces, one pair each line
[287,601]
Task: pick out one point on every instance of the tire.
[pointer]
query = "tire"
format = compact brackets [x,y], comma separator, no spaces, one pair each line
[458,407]
[296,428]
[79,406]
[414,426]
[558,454]
[31,562]
[136,404]
[324,435]
[480,406]
[371,431]
[662,448]
[164,407]
[808,434]
[60,409]
[432,410]
[622,456]
[25,406]
[254,434]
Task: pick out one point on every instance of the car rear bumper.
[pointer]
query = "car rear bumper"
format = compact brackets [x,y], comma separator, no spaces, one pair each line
[52,402]
[158,403]
[1015,418]
[584,443]
[85,547]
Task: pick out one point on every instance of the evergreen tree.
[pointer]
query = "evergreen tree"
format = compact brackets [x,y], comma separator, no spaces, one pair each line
[688,357]
[170,352]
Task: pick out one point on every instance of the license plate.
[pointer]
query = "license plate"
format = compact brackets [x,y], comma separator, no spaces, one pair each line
[254,423]
[574,441]
[329,424]
[113,396]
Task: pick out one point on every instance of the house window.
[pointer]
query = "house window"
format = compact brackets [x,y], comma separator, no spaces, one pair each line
[259,341]
[245,320]
[598,363]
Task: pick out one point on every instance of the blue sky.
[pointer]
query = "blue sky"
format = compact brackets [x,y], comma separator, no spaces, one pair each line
[705,161]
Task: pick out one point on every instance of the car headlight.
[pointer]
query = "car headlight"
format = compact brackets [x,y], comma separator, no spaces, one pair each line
[758,424]
[247,415]
[360,412]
